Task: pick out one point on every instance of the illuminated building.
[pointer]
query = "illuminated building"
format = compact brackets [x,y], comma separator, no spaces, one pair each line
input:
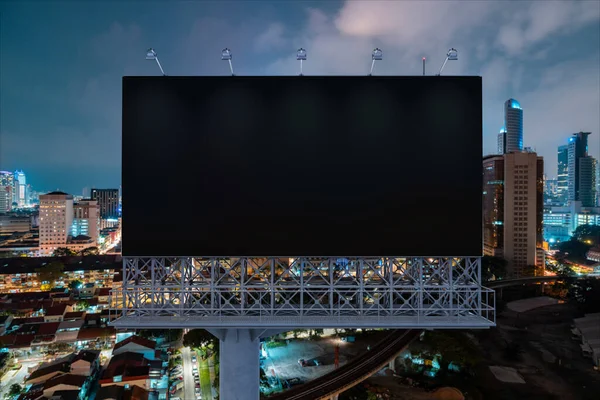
[21,194]
[560,222]
[562,177]
[581,171]
[513,211]
[510,138]
[108,202]
[56,220]
[85,219]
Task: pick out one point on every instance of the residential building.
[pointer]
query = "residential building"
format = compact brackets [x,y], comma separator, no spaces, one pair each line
[10,224]
[6,195]
[513,211]
[57,313]
[510,139]
[66,382]
[86,219]
[56,220]
[136,344]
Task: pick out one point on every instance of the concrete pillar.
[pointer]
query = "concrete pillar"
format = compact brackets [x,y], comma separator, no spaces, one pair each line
[239,364]
[392,365]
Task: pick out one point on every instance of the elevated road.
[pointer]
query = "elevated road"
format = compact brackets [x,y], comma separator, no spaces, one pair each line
[522,281]
[353,373]
[380,355]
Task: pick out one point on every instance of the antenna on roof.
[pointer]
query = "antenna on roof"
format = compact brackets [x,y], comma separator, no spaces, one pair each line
[226,56]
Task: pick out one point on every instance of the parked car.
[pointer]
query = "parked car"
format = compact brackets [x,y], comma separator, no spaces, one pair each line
[349,339]
[302,362]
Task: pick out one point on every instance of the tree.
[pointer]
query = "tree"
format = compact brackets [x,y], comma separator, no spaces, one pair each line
[573,250]
[64,252]
[15,390]
[83,305]
[60,347]
[493,267]
[586,293]
[51,273]
[197,338]
[75,284]
[451,347]
[90,251]
[589,234]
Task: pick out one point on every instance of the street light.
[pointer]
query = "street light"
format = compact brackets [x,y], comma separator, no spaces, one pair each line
[226,56]
[452,55]
[301,56]
[151,55]
[377,55]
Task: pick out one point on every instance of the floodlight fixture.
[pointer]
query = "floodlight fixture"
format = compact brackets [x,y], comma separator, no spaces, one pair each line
[452,55]
[376,55]
[151,55]
[226,56]
[301,56]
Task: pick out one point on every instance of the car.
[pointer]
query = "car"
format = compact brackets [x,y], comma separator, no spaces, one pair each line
[302,362]
[198,385]
[197,390]
[317,362]
[175,398]
[179,378]
[292,382]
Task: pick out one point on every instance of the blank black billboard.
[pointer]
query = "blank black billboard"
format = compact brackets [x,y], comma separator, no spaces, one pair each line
[302,166]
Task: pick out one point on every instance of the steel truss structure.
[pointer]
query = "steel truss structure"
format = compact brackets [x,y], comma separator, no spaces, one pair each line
[316,292]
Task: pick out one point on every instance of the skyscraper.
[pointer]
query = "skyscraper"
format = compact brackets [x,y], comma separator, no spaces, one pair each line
[56,219]
[21,195]
[562,176]
[6,191]
[513,211]
[510,139]
[108,202]
[581,170]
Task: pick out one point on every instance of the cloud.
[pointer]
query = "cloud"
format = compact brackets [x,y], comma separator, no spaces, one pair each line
[566,101]
[271,38]
[544,19]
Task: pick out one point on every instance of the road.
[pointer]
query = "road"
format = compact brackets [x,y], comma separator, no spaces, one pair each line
[352,373]
[12,377]
[188,377]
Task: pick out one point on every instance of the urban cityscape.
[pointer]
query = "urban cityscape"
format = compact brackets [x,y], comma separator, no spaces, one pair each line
[62,271]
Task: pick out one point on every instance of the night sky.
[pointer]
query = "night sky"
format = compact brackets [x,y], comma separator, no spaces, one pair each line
[62,62]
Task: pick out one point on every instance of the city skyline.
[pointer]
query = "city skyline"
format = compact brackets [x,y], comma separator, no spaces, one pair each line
[544,55]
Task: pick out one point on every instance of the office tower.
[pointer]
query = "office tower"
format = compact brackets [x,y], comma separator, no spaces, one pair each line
[587,181]
[598,183]
[108,202]
[56,220]
[21,195]
[562,176]
[6,191]
[513,211]
[85,219]
[510,139]
[581,170]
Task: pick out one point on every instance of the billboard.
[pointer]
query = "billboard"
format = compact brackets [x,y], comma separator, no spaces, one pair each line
[302,166]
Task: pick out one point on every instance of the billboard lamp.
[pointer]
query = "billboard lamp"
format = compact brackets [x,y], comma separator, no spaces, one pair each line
[226,56]
[377,55]
[301,56]
[151,55]
[452,55]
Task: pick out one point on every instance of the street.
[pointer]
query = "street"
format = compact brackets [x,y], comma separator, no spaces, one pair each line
[188,377]
[12,377]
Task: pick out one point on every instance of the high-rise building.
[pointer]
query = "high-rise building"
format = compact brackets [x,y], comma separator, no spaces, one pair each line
[56,220]
[85,219]
[6,191]
[581,171]
[108,202]
[513,188]
[510,139]
[21,195]
[587,181]
[562,176]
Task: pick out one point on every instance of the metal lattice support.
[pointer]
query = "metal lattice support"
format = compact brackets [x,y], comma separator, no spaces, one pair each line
[410,292]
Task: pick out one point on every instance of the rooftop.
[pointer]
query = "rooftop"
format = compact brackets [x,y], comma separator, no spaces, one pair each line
[151,344]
